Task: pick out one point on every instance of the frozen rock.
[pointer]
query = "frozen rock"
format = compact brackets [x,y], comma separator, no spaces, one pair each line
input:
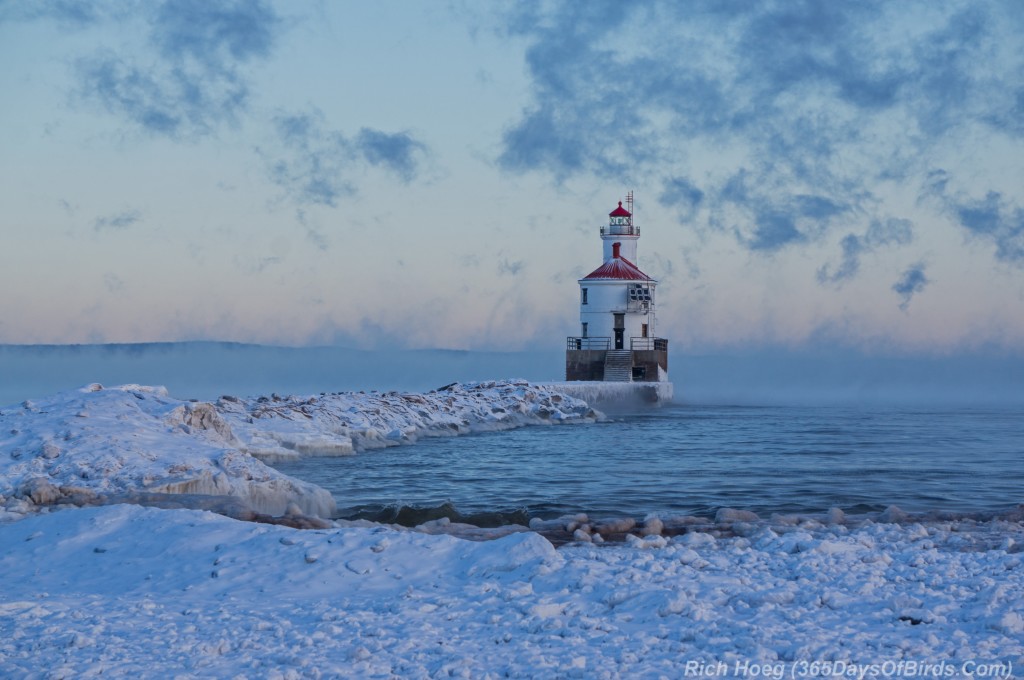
[40,491]
[646,542]
[203,416]
[893,515]
[836,516]
[438,523]
[696,539]
[615,526]
[745,529]
[1011,623]
[729,515]
[50,450]
[653,526]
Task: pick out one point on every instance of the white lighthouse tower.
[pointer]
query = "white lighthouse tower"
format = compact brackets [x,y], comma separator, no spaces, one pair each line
[617,340]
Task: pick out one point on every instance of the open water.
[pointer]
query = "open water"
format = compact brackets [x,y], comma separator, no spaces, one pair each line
[693,460]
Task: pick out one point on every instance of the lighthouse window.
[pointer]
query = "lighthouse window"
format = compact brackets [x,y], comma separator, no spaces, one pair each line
[583,297]
[584,333]
[639,293]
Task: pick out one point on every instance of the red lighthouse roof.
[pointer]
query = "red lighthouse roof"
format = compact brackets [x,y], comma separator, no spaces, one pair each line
[620,212]
[617,267]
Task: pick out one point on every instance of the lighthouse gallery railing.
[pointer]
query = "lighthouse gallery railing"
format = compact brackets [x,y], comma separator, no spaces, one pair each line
[599,343]
[604,343]
[637,344]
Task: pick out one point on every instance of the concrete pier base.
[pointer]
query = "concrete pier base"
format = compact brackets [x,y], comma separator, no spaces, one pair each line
[615,395]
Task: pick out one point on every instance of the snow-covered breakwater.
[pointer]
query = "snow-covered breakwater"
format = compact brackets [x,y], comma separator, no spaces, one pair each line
[276,428]
[137,443]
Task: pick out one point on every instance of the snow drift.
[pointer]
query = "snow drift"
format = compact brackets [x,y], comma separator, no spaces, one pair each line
[120,591]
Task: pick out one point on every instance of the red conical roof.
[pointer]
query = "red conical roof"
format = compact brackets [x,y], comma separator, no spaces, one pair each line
[619,212]
[618,268]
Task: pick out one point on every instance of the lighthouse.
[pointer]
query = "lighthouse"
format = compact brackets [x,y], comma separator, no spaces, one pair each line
[618,340]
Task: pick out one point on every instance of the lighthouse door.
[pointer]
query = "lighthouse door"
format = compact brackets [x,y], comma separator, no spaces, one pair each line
[620,331]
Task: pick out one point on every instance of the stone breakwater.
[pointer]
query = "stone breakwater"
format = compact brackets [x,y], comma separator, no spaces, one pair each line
[136,443]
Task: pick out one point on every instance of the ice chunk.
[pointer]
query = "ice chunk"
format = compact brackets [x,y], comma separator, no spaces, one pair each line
[836,516]
[40,491]
[893,514]
[729,515]
[653,526]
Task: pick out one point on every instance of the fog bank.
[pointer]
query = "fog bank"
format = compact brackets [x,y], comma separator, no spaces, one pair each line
[206,370]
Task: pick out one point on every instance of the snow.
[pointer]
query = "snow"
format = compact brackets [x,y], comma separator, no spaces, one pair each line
[123,589]
[132,442]
[98,445]
[93,585]
[275,428]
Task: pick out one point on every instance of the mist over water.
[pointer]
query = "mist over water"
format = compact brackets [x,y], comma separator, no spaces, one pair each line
[206,370]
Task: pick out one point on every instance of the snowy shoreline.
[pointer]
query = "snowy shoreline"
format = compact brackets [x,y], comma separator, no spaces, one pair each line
[124,589]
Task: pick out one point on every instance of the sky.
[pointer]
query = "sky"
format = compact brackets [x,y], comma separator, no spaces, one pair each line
[434,175]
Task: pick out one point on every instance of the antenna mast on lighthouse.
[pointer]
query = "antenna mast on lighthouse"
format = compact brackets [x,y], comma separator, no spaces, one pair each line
[629,207]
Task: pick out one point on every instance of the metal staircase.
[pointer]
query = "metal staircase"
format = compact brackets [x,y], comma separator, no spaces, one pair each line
[618,365]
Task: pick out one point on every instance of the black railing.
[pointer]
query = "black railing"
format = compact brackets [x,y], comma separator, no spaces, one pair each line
[621,230]
[588,343]
[637,344]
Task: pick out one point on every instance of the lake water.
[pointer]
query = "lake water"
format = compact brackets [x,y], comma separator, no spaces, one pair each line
[694,460]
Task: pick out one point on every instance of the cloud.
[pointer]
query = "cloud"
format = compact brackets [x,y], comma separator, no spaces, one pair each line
[910,283]
[890,232]
[214,34]
[315,165]
[994,218]
[510,267]
[118,221]
[70,14]
[772,230]
[313,172]
[852,247]
[765,218]
[396,152]
[682,194]
[791,113]
[313,235]
[193,82]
